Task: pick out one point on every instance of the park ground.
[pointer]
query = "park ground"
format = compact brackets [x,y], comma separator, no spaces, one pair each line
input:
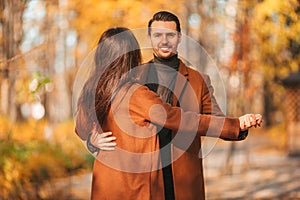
[260,168]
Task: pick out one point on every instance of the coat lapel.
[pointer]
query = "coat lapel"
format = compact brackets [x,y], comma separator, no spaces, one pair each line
[181,81]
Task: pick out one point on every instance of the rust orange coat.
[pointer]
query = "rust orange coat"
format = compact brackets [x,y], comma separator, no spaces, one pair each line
[133,170]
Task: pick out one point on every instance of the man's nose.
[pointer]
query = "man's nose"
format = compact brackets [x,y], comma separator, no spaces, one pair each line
[164,39]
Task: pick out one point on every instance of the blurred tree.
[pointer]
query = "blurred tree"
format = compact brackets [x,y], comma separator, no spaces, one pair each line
[46,32]
[240,73]
[11,24]
[242,63]
[201,21]
[276,25]
[54,28]
[267,41]
[208,35]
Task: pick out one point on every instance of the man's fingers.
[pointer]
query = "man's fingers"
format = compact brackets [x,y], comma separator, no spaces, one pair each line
[243,123]
[248,122]
[258,119]
[107,144]
[105,134]
[253,120]
[107,148]
[107,139]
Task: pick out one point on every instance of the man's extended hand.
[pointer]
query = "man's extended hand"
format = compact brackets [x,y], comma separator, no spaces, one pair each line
[249,120]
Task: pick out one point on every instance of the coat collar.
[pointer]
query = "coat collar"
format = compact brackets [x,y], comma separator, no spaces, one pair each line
[181,83]
[183,69]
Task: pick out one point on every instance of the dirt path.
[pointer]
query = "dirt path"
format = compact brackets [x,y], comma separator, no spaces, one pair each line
[259,170]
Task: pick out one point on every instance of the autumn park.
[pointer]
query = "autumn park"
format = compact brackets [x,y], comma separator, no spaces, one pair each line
[250,50]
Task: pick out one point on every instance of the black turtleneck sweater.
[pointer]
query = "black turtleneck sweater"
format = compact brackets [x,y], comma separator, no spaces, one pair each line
[165,135]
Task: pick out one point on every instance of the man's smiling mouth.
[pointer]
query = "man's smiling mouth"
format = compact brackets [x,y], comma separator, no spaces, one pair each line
[165,48]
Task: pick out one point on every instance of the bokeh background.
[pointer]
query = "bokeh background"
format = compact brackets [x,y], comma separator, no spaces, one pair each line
[255,45]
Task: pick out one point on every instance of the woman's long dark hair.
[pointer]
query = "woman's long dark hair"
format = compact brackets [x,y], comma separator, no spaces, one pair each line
[117,53]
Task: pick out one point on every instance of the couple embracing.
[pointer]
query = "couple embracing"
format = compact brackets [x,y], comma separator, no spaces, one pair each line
[145,121]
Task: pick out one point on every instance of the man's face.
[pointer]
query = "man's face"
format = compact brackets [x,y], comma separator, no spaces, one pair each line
[164,38]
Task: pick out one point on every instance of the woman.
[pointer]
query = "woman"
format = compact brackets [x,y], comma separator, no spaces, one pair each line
[114,98]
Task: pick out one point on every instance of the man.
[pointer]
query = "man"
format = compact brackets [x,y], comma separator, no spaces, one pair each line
[183,178]
[183,174]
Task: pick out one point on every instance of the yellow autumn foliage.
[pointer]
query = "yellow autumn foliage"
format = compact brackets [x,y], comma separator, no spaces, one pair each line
[35,152]
[93,16]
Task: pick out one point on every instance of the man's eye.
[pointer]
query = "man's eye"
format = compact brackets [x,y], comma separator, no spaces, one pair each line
[171,35]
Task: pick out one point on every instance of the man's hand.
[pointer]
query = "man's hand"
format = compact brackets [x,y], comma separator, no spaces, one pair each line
[249,120]
[103,141]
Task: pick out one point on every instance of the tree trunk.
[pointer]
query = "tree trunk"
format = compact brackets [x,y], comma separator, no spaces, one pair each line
[12,35]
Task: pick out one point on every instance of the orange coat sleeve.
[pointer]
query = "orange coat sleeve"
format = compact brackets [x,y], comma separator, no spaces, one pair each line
[145,105]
